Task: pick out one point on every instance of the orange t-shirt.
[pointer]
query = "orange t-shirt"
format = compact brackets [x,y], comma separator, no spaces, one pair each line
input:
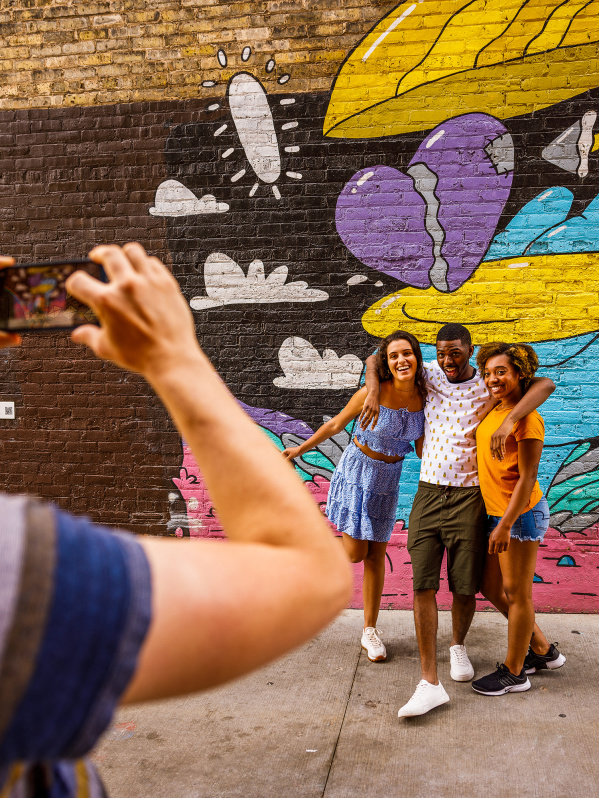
[498,478]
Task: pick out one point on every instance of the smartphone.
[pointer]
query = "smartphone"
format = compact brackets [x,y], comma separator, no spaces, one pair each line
[33,296]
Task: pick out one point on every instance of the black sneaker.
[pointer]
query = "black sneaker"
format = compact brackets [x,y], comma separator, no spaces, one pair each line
[502,681]
[540,662]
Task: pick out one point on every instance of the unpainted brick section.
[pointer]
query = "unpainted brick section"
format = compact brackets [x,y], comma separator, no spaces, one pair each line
[61,39]
[86,435]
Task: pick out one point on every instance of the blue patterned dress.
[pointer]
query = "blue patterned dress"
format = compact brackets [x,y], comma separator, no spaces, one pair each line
[362,500]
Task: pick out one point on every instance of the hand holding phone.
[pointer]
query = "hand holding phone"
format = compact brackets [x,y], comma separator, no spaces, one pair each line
[146,324]
[34,298]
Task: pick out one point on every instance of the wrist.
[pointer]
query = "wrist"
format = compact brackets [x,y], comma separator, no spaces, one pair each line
[165,371]
[509,420]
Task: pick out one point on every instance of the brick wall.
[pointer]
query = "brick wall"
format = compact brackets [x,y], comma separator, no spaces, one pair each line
[315,175]
[58,54]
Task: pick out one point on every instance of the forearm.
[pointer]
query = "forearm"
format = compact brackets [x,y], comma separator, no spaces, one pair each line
[371,379]
[251,488]
[519,499]
[538,392]
[323,433]
[284,575]
[277,584]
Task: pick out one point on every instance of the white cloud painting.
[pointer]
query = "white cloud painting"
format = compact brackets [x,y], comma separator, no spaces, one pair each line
[305,368]
[227,284]
[175,199]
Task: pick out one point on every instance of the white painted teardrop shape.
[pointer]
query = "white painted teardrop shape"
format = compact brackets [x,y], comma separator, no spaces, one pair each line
[255,126]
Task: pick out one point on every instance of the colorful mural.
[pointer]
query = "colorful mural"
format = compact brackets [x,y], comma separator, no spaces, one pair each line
[450,175]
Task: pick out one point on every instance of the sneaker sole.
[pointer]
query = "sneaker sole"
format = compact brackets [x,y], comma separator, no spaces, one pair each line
[550,666]
[516,688]
[376,659]
[422,711]
[462,678]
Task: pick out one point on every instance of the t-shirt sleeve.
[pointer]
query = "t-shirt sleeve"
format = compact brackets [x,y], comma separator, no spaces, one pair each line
[531,426]
[75,607]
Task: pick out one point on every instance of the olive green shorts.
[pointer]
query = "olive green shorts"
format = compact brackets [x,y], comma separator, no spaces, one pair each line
[452,519]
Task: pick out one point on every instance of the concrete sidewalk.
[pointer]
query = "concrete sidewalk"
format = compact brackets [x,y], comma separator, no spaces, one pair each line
[323,722]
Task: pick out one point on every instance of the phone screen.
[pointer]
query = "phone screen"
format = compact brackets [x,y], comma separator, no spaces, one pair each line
[33,296]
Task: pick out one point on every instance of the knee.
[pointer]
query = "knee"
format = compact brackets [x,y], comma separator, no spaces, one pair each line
[355,556]
[518,594]
[425,595]
[375,558]
[463,600]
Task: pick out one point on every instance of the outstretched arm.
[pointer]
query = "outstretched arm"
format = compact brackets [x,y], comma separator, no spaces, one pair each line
[331,427]
[218,610]
[539,390]
[370,411]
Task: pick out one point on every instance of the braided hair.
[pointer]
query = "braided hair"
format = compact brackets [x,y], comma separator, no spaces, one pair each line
[522,357]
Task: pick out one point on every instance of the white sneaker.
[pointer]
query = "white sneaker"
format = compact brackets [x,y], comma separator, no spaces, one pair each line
[373,644]
[427,696]
[461,667]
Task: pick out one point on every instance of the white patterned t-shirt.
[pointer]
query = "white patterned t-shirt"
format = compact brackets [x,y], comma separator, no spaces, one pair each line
[452,413]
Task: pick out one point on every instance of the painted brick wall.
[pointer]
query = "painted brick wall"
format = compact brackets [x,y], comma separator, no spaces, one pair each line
[316,174]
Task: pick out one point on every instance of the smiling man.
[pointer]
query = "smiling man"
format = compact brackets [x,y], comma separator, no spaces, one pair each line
[448,513]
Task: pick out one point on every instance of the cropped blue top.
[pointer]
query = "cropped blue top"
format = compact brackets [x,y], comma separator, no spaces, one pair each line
[393,432]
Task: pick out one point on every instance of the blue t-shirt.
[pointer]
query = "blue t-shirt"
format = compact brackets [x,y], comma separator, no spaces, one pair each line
[75,607]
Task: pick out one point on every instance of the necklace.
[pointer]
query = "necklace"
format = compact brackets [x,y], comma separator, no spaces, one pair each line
[397,390]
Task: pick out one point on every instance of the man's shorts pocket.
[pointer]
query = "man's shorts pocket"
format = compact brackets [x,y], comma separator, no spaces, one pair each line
[415,520]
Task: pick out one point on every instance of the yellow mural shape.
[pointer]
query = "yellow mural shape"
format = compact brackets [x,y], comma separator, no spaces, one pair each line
[524,28]
[399,41]
[539,298]
[584,26]
[426,62]
[556,27]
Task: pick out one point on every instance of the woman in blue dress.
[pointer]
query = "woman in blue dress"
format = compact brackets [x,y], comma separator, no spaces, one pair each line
[362,500]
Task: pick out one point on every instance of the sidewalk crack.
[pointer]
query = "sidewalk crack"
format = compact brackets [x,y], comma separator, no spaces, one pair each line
[349,694]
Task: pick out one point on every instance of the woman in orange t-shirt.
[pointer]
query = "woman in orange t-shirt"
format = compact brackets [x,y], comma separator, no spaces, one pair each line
[518,517]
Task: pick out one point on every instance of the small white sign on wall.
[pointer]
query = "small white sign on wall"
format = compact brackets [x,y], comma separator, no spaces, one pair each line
[7,410]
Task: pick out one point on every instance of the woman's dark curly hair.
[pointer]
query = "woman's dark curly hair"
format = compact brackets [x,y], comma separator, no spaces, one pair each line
[522,357]
[383,366]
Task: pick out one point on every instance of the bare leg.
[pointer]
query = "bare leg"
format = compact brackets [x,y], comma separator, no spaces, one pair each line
[517,567]
[493,591]
[356,550]
[374,578]
[426,621]
[462,613]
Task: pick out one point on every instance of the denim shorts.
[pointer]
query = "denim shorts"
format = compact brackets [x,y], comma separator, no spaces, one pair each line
[531,525]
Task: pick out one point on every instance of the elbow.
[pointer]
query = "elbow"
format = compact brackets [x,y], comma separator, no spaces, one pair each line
[529,478]
[333,427]
[546,385]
